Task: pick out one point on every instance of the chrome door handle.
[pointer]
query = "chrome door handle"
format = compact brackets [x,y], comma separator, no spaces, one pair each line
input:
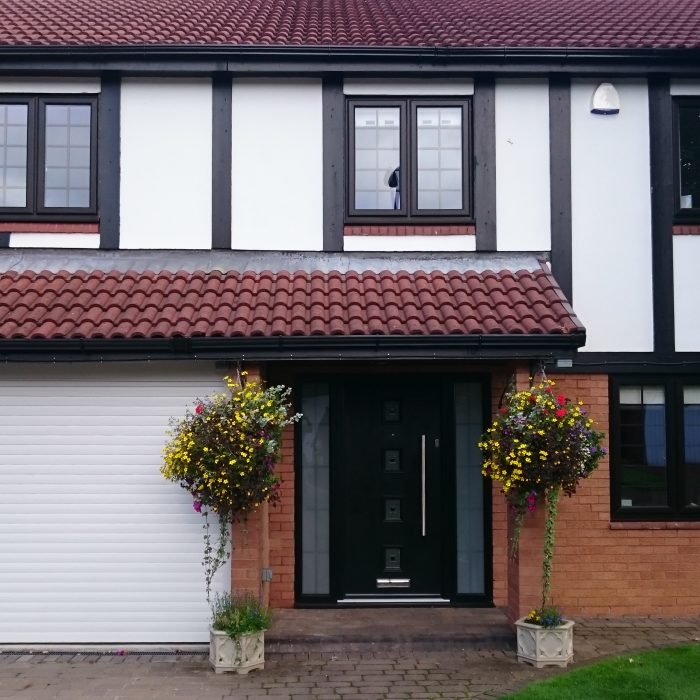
[422,482]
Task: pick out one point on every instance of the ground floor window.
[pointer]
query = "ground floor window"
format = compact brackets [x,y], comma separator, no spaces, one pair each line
[655,447]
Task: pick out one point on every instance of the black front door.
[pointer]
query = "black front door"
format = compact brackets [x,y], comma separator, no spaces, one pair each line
[390,476]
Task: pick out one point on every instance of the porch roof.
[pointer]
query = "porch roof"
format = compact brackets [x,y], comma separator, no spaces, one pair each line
[277,310]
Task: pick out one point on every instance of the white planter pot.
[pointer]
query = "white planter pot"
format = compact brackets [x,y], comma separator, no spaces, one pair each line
[240,655]
[542,646]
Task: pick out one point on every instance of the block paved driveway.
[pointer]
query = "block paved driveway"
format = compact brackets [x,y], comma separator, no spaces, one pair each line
[387,674]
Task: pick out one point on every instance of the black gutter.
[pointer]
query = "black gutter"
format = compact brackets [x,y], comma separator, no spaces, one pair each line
[227,51]
[209,59]
[294,347]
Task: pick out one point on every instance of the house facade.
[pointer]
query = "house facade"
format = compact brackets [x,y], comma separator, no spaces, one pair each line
[399,211]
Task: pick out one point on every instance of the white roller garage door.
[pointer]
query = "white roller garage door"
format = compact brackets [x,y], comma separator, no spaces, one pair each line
[95,545]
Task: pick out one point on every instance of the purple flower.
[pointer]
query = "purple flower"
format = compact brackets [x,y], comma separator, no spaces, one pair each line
[197,505]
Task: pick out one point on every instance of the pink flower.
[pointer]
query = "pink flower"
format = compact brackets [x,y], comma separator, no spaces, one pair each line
[199,408]
[531,499]
[197,505]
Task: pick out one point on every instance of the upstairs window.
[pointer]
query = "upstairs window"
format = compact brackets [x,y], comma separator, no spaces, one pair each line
[47,157]
[688,158]
[409,159]
[655,449]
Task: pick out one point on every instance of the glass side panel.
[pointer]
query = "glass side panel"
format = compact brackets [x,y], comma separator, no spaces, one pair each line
[315,468]
[13,155]
[470,488]
[439,140]
[644,479]
[691,445]
[67,156]
[377,158]
[689,134]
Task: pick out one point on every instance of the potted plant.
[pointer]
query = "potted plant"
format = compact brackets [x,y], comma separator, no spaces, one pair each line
[237,635]
[540,444]
[224,452]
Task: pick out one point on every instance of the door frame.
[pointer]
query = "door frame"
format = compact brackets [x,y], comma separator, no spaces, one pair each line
[446,380]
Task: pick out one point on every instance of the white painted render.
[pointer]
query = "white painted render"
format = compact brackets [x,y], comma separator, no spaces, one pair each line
[97,545]
[611,219]
[166,163]
[67,86]
[408,243]
[277,171]
[686,292]
[685,87]
[523,210]
[402,87]
[54,240]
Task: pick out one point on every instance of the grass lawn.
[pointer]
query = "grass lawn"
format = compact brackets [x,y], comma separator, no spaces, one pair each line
[664,674]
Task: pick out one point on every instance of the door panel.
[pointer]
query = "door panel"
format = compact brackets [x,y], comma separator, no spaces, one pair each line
[391,522]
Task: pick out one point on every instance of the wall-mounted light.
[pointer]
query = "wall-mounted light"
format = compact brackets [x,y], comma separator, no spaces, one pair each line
[605,100]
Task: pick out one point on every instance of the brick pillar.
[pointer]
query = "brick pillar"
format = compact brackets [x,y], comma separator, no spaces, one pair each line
[525,568]
[247,554]
[266,538]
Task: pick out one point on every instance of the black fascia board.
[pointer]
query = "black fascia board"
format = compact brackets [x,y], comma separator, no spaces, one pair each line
[208,58]
[295,347]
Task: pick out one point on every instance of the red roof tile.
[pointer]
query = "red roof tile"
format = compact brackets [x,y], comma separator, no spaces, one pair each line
[48,305]
[378,23]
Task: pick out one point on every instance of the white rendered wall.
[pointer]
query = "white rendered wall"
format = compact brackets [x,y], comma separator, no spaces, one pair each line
[277,173]
[523,210]
[67,86]
[686,291]
[407,86]
[166,163]
[54,240]
[611,219]
[417,243]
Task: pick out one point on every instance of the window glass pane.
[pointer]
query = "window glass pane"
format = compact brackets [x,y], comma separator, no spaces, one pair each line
[644,481]
[439,142]
[377,158]
[689,134]
[315,467]
[691,445]
[67,156]
[469,488]
[13,155]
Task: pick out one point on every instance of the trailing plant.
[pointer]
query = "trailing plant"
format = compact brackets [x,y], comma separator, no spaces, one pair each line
[238,615]
[540,445]
[224,453]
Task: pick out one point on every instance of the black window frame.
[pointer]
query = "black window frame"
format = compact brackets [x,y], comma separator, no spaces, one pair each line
[35,210]
[675,453]
[409,212]
[691,215]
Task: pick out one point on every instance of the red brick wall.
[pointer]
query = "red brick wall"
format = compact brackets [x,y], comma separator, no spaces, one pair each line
[623,569]
[282,530]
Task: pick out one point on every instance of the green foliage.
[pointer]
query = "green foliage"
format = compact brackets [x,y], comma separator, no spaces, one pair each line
[545,617]
[238,615]
[665,674]
[540,444]
[225,450]
[224,453]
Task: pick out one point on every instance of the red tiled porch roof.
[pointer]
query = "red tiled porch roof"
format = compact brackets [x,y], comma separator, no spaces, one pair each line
[498,24]
[138,305]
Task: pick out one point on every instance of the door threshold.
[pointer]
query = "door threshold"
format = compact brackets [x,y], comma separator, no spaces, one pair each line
[393,600]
